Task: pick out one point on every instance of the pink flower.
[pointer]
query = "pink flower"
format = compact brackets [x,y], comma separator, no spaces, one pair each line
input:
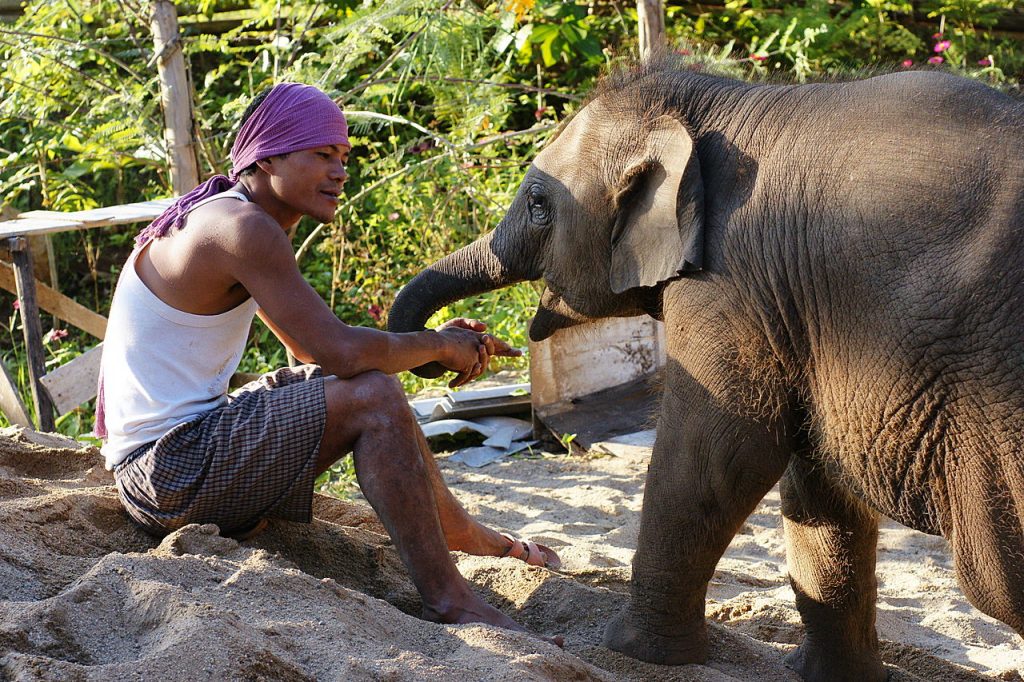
[17,304]
[942,45]
[759,57]
[421,147]
[907,63]
[935,60]
[936,36]
[985,62]
[374,311]
[393,216]
[54,335]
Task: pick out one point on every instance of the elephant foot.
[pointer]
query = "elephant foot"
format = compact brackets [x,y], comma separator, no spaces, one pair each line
[671,645]
[820,664]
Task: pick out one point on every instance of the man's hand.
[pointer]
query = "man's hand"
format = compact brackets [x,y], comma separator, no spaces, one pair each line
[471,349]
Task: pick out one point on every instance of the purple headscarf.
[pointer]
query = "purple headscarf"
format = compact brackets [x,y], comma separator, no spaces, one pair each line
[291,118]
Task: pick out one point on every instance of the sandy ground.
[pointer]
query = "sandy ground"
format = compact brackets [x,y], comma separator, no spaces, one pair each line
[86,596]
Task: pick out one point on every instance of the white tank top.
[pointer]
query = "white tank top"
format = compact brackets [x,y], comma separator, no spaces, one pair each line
[161,366]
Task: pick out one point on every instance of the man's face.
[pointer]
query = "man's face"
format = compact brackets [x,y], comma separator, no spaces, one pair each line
[310,181]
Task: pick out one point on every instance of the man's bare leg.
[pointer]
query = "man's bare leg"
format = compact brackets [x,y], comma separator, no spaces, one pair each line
[462,532]
[368,416]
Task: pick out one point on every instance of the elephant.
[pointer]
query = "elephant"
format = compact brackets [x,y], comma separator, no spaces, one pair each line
[840,270]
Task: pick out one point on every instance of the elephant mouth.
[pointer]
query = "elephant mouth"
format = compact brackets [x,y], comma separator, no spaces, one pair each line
[553,313]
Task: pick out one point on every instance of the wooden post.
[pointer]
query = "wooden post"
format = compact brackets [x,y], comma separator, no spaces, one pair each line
[175,95]
[651,20]
[26,282]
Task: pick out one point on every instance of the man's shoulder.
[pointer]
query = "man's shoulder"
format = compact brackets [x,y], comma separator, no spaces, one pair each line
[236,226]
[227,213]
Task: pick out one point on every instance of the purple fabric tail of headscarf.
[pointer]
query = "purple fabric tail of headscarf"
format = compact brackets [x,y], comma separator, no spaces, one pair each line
[174,216]
[291,118]
[99,429]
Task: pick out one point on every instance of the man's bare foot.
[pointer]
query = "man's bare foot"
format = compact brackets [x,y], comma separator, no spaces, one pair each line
[475,610]
[479,540]
[472,537]
[250,532]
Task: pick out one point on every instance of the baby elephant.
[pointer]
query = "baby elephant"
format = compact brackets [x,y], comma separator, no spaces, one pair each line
[840,269]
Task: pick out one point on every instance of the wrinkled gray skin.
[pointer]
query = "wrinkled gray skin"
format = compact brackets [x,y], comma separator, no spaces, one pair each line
[856,329]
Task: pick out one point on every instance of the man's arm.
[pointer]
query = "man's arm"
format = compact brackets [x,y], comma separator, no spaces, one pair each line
[259,256]
[292,346]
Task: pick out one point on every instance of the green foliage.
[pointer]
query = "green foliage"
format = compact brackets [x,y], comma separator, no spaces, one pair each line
[821,37]
[562,32]
[448,101]
[966,25]
[339,480]
[78,110]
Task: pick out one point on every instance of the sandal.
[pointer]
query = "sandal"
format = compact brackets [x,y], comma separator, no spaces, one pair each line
[532,553]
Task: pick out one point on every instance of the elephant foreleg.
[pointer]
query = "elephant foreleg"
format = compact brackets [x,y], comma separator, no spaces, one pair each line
[709,470]
[831,541]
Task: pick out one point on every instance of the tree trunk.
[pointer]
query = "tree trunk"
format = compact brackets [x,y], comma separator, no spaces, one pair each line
[651,20]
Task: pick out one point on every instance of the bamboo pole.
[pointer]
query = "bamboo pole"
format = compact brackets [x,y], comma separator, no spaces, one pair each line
[175,95]
[651,27]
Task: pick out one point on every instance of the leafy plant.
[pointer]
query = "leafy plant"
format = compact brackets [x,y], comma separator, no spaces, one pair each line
[448,101]
[963,37]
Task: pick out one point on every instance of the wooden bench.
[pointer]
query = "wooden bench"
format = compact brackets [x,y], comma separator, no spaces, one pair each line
[61,390]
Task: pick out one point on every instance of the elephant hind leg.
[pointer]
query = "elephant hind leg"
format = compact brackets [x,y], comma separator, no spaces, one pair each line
[831,541]
[987,537]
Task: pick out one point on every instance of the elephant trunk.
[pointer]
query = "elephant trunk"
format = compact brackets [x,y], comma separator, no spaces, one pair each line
[488,263]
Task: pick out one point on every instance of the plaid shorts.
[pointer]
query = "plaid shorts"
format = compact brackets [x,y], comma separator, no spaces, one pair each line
[251,459]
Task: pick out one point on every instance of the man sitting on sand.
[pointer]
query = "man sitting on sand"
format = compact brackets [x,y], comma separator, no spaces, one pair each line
[184,451]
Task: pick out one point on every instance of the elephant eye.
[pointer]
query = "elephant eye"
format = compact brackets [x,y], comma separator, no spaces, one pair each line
[538,206]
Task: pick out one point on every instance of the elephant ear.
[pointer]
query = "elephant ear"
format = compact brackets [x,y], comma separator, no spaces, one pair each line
[659,228]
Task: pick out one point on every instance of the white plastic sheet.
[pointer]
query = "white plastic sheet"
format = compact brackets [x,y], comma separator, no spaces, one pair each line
[505,436]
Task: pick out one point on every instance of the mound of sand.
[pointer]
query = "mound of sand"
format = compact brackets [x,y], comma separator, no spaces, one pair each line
[84,595]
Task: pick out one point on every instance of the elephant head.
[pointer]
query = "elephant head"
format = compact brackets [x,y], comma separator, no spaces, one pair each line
[607,212]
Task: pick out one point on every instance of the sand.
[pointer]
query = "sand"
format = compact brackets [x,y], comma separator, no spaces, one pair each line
[86,596]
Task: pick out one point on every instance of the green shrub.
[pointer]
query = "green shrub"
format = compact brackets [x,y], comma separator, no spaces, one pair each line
[457,97]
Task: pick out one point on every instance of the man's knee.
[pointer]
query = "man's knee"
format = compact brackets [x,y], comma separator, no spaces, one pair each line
[367,395]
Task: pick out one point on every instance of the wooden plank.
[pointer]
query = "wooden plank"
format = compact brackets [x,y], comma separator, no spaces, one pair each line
[594,380]
[26,285]
[580,360]
[31,226]
[605,414]
[73,383]
[108,215]
[222,22]
[10,400]
[56,303]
